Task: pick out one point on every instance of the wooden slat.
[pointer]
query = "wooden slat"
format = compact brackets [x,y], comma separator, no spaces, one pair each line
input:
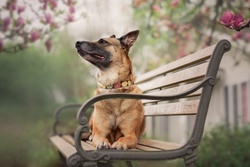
[159,144]
[173,91]
[63,146]
[177,108]
[146,148]
[185,61]
[175,78]
[86,146]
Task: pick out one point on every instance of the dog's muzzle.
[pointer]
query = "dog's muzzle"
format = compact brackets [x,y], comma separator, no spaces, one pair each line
[78,44]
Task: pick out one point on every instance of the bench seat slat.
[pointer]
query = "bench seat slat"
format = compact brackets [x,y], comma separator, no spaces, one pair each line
[85,145]
[63,146]
[173,91]
[185,75]
[146,148]
[176,108]
[61,142]
[159,144]
[188,60]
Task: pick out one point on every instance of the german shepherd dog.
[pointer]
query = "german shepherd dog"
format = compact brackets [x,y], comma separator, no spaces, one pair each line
[114,123]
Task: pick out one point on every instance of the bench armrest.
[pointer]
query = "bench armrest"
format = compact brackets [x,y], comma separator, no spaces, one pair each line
[80,115]
[58,111]
[83,128]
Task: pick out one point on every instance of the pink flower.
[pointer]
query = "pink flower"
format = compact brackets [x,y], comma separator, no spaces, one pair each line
[47,18]
[6,23]
[53,25]
[238,21]
[236,36]
[48,45]
[20,9]
[71,9]
[175,3]
[20,22]
[70,18]
[53,4]
[1,44]
[227,18]
[156,8]
[248,37]
[34,35]
[11,5]
[69,2]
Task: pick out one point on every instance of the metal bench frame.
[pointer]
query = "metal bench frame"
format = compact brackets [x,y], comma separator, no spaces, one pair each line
[187,151]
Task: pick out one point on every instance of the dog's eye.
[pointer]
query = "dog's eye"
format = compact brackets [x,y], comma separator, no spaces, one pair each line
[102,41]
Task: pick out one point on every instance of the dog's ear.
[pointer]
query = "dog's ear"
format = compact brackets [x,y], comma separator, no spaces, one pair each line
[112,36]
[129,39]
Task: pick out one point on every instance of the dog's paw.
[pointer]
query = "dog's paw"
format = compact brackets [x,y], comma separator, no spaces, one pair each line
[102,144]
[119,145]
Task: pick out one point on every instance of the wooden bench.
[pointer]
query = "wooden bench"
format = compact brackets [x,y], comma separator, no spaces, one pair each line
[182,87]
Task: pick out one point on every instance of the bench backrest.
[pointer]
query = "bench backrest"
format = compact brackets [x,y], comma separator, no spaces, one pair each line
[179,76]
[174,78]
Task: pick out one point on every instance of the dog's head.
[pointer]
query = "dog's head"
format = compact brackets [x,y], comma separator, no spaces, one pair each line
[107,51]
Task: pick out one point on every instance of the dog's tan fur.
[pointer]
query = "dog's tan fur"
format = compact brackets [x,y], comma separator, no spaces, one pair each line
[117,123]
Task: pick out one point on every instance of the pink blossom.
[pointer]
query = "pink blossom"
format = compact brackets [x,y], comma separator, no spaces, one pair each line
[45,2]
[6,23]
[47,18]
[53,4]
[53,25]
[69,2]
[48,45]
[175,3]
[237,35]
[11,5]
[71,9]
[156,8]
[227,18]
[181,53]
[34,35]
[137,3]
[238,21]
[20,9]
[1,44]
[248,37]
[70,18]
[20,22]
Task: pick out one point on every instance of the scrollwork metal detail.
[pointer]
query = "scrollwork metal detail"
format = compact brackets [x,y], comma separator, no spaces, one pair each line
[211,81]
[226,45]
[75,160]
[190,157]
[83,120]
[98,156]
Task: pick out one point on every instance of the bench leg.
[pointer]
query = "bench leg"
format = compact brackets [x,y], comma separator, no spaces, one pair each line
[129,164]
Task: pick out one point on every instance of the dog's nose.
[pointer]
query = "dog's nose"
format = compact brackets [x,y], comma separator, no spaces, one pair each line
[78,43]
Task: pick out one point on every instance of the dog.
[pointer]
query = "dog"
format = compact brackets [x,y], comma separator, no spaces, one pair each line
[114,123]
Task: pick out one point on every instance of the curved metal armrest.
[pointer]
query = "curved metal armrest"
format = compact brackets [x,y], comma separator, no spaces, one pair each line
[82,121]
[83,128]
[58,112]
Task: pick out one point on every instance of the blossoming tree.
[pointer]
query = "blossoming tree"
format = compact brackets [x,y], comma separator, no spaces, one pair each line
[177,27]
[23,22]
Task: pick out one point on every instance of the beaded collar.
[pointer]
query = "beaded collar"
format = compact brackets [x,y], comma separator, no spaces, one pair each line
[116,85]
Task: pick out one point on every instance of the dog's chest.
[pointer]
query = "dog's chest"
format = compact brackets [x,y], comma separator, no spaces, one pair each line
[117,107]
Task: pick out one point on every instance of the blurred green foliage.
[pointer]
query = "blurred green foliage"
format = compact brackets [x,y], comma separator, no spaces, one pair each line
[225,147]
[33,84]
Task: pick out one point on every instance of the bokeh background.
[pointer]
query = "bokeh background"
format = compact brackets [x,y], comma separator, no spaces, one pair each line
[40,70]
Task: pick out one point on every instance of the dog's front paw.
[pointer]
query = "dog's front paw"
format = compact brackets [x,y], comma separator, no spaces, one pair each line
[118,145]
[101,144]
